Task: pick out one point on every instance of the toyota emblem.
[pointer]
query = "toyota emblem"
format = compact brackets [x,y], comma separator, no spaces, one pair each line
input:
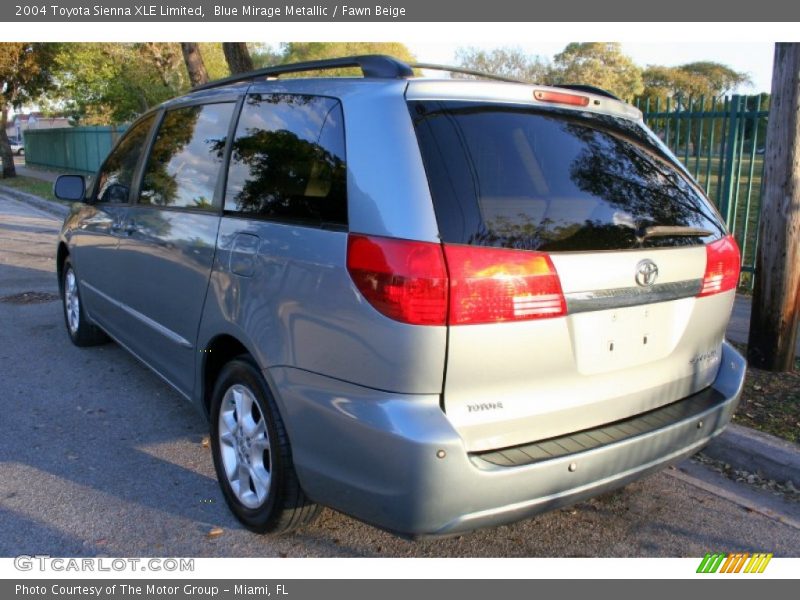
[646,273]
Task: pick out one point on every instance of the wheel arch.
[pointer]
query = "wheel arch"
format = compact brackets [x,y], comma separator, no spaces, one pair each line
[61,257]
[219,351]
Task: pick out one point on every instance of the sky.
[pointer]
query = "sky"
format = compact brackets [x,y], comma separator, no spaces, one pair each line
[754,58]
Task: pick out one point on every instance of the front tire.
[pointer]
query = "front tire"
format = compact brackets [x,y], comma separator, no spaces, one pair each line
[252,456]
[80,330]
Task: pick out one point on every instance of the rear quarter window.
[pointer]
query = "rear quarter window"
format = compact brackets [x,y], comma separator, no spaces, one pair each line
[288,161]
[552,180]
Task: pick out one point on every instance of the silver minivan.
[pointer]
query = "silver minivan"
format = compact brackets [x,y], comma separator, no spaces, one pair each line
[432,304]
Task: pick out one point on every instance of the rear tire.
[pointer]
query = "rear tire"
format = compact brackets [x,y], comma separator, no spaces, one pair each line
[252,456]
[80,330]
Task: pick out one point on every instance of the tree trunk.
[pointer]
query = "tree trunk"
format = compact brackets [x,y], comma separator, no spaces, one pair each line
[194,63]
[237,57]
[9,170]
[776,299]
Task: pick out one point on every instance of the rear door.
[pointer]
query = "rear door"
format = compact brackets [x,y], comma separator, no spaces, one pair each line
[171,234]
[577,253]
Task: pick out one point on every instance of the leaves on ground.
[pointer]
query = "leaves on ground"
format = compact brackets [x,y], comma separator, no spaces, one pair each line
[770,402]
[786,489]
[30,298]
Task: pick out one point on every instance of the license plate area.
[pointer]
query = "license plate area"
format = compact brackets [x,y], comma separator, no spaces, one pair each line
[620,338]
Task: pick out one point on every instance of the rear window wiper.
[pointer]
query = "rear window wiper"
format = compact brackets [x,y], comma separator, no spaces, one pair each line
[671,231]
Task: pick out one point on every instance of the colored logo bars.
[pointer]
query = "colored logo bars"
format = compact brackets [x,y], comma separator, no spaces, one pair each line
[734,563]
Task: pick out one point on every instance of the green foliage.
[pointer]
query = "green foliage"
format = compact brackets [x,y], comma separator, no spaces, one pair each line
[104,83]
[709,79]
[602,64]
[509,62]
[605,65]
[214,59]
[26,72]
[110,83]
[304,51]
[264,55]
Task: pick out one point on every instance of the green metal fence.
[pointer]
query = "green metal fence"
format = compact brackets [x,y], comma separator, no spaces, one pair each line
[721,142]
[79,149]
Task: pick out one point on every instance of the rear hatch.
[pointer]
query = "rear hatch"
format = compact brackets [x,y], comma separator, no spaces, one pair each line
[590,279]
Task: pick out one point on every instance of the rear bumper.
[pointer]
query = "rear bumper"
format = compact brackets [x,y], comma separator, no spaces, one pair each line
[395,461]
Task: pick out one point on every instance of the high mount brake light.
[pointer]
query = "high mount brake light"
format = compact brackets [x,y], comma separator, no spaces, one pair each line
[561,98]
[423,283]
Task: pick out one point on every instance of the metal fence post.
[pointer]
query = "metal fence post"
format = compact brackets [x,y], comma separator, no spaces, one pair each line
[729,181]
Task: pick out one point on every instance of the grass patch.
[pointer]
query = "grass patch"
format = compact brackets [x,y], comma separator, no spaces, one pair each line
[30,185]
[771,401]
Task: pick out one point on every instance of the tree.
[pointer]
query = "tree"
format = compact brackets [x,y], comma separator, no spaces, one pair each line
[305,51]
[238,57]
[104,83]
[198,74]
[776,298]
[26,72]
[164,58]
[214,59]
[719,79]
[509,62]
[601,64]
[694,80]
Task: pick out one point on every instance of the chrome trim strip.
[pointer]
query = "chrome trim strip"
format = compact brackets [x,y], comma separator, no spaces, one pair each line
[167,333]
[578,302]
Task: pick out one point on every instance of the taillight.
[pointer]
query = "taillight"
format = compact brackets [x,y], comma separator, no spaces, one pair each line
[423,283]
[404,280]
[490,285]
[722,266]
[561,98]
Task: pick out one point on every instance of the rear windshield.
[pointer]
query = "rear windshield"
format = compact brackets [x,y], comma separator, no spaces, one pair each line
[554,180]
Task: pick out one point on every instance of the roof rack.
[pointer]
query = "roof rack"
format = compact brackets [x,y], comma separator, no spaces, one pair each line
[591,89]
[379,66]
[372,65]
[474,73]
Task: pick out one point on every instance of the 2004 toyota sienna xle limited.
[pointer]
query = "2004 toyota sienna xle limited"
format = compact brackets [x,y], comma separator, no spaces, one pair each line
[434,305]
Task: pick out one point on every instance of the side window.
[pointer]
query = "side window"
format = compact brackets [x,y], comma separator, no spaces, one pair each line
[115,178]
[288,160]
[183,167]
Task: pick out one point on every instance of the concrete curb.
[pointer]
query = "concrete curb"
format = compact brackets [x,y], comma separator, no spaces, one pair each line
[53,208]
[750,450]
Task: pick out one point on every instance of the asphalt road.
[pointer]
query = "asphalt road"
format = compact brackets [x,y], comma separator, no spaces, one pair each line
[99,457]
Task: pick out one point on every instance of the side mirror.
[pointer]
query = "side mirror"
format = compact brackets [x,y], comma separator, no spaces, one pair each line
[71,188]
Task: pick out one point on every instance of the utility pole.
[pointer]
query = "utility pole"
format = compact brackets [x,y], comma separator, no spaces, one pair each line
[776,298]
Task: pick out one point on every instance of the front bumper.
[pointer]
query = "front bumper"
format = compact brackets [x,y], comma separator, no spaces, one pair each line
[396,462]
